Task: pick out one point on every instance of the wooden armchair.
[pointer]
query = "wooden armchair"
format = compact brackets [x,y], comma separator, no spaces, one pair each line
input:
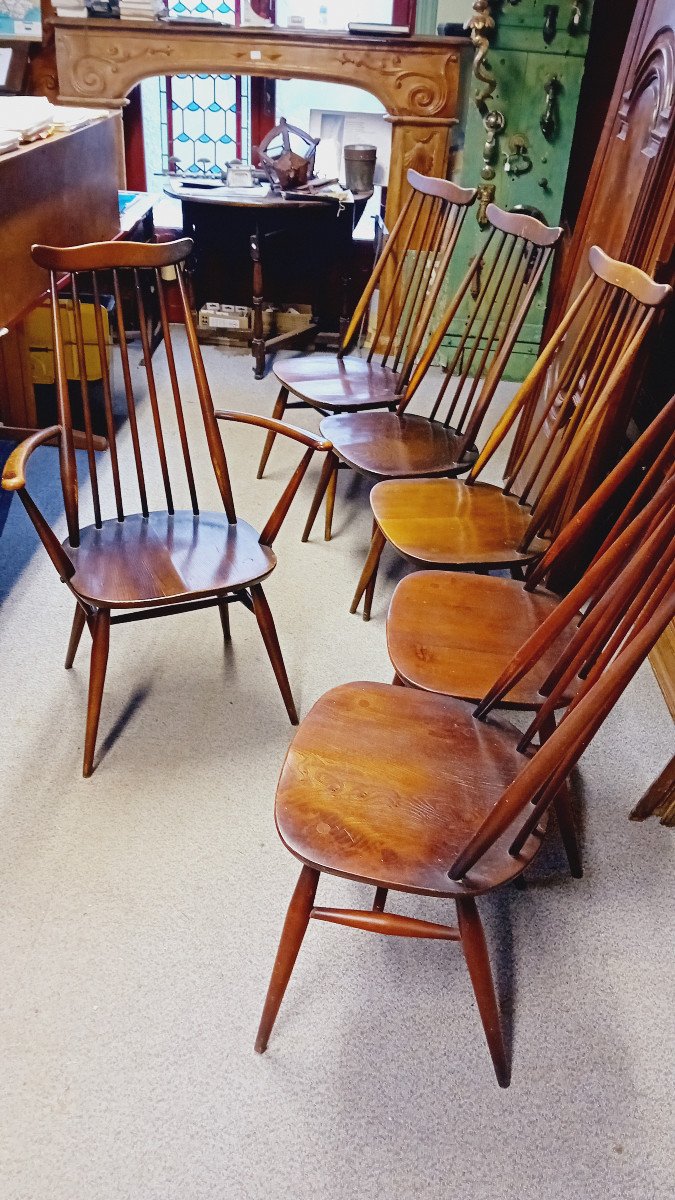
[411,792]
[423,238]
[156,561]
[572,392]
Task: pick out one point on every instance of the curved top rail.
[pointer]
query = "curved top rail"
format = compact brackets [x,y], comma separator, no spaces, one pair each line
[524,226]
[631,279]
[444,188]
[106,256]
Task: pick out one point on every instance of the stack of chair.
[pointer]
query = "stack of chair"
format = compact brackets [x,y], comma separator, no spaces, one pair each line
[565,413]
[405,790]
[366,398]
[491,305]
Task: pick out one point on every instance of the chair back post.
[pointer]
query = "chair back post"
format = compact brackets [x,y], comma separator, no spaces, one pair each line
[67,463]
[213,438]
[594,580]
[662,428]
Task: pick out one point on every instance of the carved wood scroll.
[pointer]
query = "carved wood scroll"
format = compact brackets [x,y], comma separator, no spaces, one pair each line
[416,79]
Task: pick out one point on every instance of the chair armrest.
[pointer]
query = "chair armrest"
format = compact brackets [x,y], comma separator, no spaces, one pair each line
[14,474]
[290,431]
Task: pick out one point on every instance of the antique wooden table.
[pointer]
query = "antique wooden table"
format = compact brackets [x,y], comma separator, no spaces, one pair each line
[259,249]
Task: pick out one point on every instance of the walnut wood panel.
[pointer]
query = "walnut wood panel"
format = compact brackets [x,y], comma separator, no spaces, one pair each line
[47,195]
[417,80]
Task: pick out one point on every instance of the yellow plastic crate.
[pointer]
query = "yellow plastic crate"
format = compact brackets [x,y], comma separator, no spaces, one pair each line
[40,340]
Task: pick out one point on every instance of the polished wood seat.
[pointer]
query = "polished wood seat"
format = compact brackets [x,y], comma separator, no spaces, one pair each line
[396,445]
[386,786]
[344,384]
[164,558]
[443,521]
[455,634]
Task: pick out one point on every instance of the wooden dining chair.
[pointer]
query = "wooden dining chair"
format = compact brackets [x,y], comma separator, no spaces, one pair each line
[574,386]
[404,287]
[455,632]
[492,303]
[159,560]
[409,792]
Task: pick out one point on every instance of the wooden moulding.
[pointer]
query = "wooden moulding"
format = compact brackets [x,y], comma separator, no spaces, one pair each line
[416,79]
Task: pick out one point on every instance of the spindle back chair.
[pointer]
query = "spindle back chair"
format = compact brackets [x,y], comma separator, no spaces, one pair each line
[409,792]
[384,337]
[453,633]
[575,386]
[148,558]
[490,304]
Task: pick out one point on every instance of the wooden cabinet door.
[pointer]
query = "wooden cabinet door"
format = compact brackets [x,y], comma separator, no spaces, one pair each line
[629,209]
[629,203]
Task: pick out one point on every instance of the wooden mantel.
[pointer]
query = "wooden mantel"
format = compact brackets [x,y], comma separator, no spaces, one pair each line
[416,79]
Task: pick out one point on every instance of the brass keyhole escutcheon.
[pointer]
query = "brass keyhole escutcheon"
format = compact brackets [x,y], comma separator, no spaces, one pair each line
[518,161]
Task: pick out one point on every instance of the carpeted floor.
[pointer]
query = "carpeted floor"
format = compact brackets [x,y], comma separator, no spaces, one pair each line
[141,910]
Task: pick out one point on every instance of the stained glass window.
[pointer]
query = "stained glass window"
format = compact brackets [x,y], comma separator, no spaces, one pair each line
[204,119]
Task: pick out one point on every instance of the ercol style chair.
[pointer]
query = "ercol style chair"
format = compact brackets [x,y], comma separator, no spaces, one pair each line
[454,633]
[156,561]
[411,792]
[493,300]
[572,388]
[424,237]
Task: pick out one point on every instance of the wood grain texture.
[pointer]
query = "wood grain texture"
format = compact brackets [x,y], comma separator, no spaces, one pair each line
[163,558]
[389,445]
[384,784]
[346,384]
[46,196]
[455,634]
[443,522]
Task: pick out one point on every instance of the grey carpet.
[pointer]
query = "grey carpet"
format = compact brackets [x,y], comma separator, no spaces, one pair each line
[141,909]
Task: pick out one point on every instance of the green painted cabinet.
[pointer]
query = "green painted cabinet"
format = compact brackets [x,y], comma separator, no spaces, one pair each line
[534,43]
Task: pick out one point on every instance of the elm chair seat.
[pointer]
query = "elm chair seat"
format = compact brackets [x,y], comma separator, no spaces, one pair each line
[386,785]
[339,384]
[396,445]
[165,558]
[456,633]
[441,521]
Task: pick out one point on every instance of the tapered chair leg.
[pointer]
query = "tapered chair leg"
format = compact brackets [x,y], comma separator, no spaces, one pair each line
[563,812]
[295,927]
[330,503]
[380,899]
[478,963]
[75,634]
[266,625]
[369,573]
[277,414]
[100,631]
[329,464]
[224,610]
